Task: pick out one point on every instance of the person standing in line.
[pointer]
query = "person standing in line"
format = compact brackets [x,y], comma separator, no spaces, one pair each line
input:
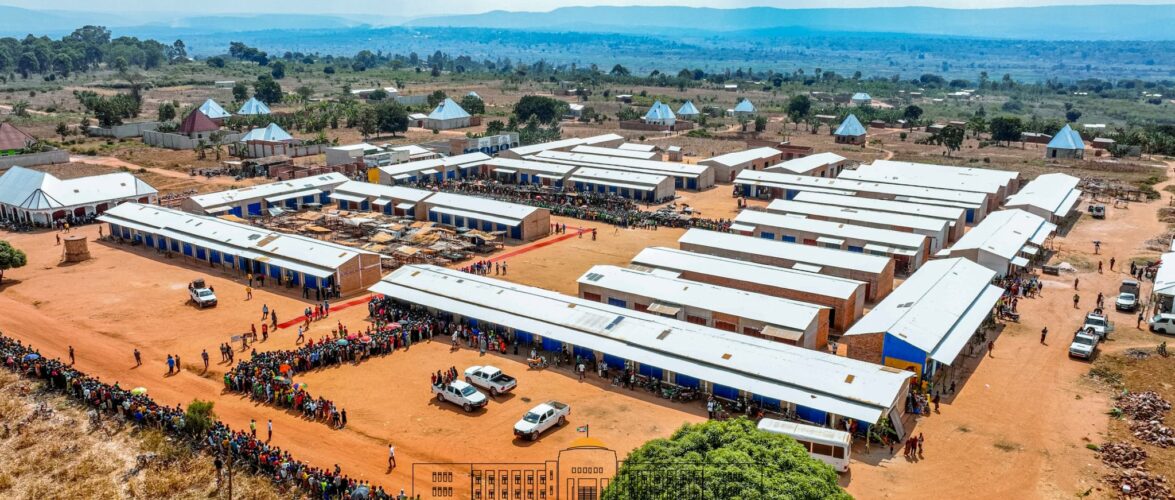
[253,428]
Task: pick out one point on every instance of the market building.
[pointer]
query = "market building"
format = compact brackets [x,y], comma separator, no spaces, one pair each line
[255,201]
[1006,241]
[38,198]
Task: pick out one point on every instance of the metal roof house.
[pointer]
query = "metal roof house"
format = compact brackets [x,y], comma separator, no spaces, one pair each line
[633,185]
[729,309]
[727,167]
[253,200]
[391,200]
[197,125]
[514,171]
[271,133]
[660,114]
[771,185]
[817,165]
[744,108]
[818,387]
[928,320]
[519,222]
[447,115]
[909,250]
[1005,241]
[685,175]
[850,131]
[876,271]
[253,107]
[995,187]
[603,141]
[39,198]
[934,229]
[688,111]
[212,110]
[1052,196]
[861,99]
[617,152]
[434,170]
[1067,144]
[242,248]
[630,146]
[844,297]
[1008,179]
[956,217]
[1164,289]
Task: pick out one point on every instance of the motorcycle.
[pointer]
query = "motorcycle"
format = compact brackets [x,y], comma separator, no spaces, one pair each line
[537,363]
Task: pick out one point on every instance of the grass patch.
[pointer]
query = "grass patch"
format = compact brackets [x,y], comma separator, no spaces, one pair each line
[1007,446]
[1106,373]
[963,428]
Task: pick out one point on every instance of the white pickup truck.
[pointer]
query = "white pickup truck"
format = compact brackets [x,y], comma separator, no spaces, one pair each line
[201,294]
[491,379]
[1083,346]
[460,394]
[541,418]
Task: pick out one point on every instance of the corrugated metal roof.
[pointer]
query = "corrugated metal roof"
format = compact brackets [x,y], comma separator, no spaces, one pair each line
[211,109]
[807,254]
[839,385]
[592,174]
[659,112]
[196,122]
[688,109]
[1055,193]
[854,214]
[926,177]
[936,309]
[326,182]
[1005,233]
[740,157]
[271,133]
[1002,177]
[952,214]
[617,152]
[486,206]
[750,272]
[744,106]
[614,162]
[557,169]
[851,127]
[784,313]
[851,185]
[628,146]
[1067,138]
[375,191]
[889,237]
[34,190]
[1165,276]
[808,163]
[419,166]
[448,110]
[253,107]
[861,96]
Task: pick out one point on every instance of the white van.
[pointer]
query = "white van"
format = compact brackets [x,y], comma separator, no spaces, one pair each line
[827,445]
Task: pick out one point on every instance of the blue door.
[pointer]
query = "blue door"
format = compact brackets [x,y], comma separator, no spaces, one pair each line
[767,236]
[458,221]
[791,194]
[651,371]
[766,402]
[451,174]
[308,199]
[552,345]
[275,272]
[525,178]
[150,240]
[524,338]
[685,381]
[811,415]
[292,203]
[856,249]
[516,232]
[235,211]
[446,219]
[175,246]
[970,215]
[215,257]
[162,243]
[789,239]
[324,198]
[432,216]
[614,362]
[583,352]
[617,302]
[187,249]
[677,182]
[725,391]
[692,184]
[365,205]
[126,233]
[254,209]
[311,281]
[201,253]
[388,209]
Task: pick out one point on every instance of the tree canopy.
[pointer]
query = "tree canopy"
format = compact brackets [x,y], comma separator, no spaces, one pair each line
[267,90]
[10,258]
[738,461]
[545,109]
[473,105]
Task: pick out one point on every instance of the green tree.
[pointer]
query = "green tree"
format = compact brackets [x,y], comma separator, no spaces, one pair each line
[951,138]
[10,258]
[627,113]
[215,62]
[473,105]
[760,123]
[1072,115]
[619,70]
[377,95]
[166,112]
[240,92]
[367,121]
[437,97]
[798,108]
[977,125]
[495,127]
[738,461]
[62,130]
[912,113]
[267,90]
[199,418]
[278,70]
[546,109]
[1006,129]
[392,117]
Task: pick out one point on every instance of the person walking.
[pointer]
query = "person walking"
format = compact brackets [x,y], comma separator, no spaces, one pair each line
[170,364]
[1044,332]
[264,312]
[1141,318]
[1099,267]
[253,428]
[391,456]
[248,293]
[71,359]
[138,358]
[1112,260]
[1075,282]
[273,316]
[920,440]
[1076,300]
[204,355]
[991,348]
[1101,300]
[269,428]
[301,336]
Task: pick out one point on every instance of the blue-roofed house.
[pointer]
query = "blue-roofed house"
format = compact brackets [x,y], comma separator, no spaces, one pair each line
[744,108]
[271,133]
[850,131]
[1066,144]
[861,99]
[660,114]
[688,111]
[213,110]
[447,115]
[253,107]
[473,94]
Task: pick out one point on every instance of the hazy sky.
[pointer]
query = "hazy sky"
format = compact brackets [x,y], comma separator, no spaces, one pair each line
[432,7]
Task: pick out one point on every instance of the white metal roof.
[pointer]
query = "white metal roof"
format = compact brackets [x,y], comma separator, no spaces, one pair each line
[1165,276]
[855,186]
[952,214]
[923,178]
[514,166]
[1004,177]
[835,384]
[486,206]
[564,143]
[1005,233]
[1056,193]
[596,139]
[617,152]
[370,190]
[34,190]
[784,313]
[233,236]
[614,162]
[899,239]
[770,180]
[936,309]
[418,167]
[261,191]
[778,277]
[740,157]
[854,214]
[629,146]
[807,254]
[808,163]
[591,174]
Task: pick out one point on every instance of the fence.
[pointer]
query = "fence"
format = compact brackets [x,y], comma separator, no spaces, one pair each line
[177,141]
[28,160]
[262,149]
[124,130]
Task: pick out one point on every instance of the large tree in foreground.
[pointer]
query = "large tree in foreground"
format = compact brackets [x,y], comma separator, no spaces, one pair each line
[727,459]
[10,258]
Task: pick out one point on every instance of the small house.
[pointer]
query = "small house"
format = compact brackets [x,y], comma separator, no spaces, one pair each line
[253,107]
[850,131]
[447,115]
[688,111]
[197,125]
[861,99]
[660,114]
[213,110]
[744,108]
[1067,144]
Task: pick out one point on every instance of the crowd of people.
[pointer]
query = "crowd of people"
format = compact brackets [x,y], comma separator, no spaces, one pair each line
[243,447]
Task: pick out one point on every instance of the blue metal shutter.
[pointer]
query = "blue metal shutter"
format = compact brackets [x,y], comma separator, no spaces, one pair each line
[812,415]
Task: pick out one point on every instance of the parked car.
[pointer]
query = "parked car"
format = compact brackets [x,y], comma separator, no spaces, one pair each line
[201,294]
[1163,323]
[1083,345]
[1097,211]
[541,418]
[460,394]
[1099,324]
[1127,302]
[491,379]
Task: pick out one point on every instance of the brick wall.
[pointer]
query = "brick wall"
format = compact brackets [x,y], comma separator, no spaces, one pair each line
[865,347]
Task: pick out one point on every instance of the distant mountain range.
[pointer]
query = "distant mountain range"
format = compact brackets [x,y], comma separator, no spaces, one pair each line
[1085,22]
[1088,22]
